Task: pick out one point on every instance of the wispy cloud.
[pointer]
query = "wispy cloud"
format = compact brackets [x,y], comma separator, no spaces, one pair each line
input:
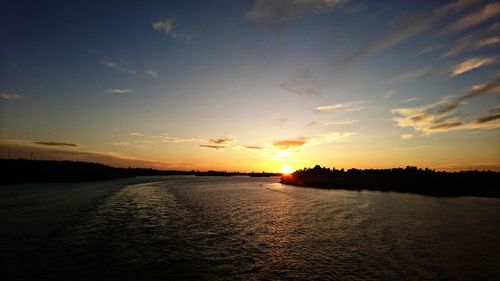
[430,49]
[345,122]
[153,140]
[406,136]
[121,143]
[10,96]
[389,94]
[471,64]
[53,143]
[283,120]
[435,117]
[169,27]
[410,75]
[348,106]
[120,90]
[331,136]
[487,12]
[143,142]
[406,28]
[410,100]
[275,14]
[152,72]
[118,66]
[136,134]
[302,83]
[328,122]
[170,139]
[487,37]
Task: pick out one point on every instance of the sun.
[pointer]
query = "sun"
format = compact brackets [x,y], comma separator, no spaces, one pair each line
[286,170]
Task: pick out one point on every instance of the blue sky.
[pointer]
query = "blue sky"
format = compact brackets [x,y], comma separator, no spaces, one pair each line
[224,84]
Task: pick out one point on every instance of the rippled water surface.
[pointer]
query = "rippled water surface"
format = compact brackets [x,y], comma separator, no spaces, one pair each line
[210,228]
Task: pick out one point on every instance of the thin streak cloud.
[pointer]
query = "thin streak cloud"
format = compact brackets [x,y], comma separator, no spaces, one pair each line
[487,12]
[120,67]
[471,64]
[53,143]
[120,91]
[348,106]
[10,96]
[406,28]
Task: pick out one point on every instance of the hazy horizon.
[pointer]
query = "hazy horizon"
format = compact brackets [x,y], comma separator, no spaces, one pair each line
[252,85]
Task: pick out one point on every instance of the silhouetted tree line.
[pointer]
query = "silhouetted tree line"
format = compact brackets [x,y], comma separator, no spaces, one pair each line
[409,179]
[22,170]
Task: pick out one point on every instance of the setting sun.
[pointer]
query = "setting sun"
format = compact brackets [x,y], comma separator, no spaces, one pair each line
[286,169]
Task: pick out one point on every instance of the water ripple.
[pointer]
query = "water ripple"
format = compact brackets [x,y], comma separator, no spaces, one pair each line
[254,229]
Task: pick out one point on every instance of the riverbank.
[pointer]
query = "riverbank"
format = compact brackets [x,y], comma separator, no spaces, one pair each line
[406,180]
[25,171]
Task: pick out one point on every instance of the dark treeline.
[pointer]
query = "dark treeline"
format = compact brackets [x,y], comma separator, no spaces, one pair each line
[22,170]
[409,179]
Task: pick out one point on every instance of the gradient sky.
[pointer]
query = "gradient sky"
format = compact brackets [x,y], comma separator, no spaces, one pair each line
[252,85]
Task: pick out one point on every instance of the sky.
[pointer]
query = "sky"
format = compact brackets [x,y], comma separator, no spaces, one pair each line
[252,85]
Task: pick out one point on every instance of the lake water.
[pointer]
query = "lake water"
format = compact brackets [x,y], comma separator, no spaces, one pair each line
[241,228]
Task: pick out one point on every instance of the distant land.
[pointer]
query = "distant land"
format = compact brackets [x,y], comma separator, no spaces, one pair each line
[407,180]
[23,170]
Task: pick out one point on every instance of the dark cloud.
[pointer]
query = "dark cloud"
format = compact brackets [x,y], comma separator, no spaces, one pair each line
[53,143]
[488,118]
[493,114]
[253,147]
[223,140]
[212,146]
[219,143]
[285,144]
[477,90]
[446,125]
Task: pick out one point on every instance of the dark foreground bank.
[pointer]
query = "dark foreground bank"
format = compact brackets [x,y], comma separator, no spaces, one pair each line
[241,228]
[408,180]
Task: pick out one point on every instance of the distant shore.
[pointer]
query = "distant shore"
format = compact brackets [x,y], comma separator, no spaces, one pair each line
[22,170]
[406,180]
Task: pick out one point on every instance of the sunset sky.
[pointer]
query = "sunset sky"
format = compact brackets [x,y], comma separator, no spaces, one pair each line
[252,85]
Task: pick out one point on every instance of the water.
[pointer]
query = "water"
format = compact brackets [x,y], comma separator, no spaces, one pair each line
[240,228]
